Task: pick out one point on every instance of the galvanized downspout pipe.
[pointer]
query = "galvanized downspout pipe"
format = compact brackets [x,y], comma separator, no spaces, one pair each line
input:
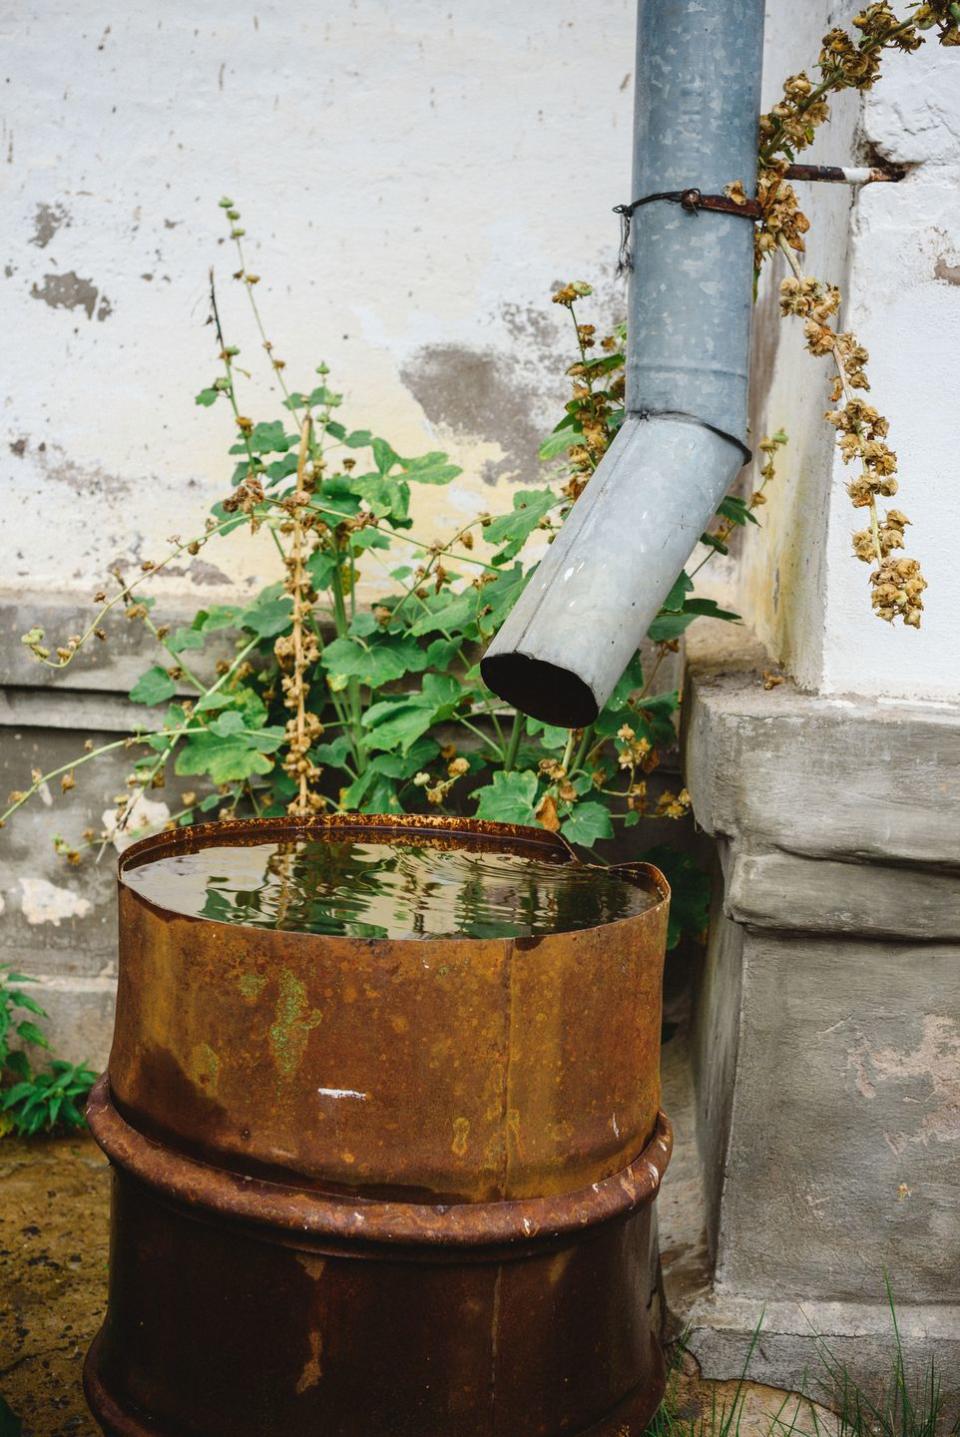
[593,597]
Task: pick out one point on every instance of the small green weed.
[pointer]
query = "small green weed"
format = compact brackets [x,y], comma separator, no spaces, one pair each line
[903,1408]
[33,1100]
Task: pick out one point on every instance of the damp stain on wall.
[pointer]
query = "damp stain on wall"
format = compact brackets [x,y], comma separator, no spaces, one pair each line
[480,394]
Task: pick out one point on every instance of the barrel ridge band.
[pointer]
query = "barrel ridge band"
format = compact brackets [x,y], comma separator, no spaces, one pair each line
[311,1216]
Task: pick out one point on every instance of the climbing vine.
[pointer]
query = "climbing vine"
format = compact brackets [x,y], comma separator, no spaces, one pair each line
[848,60]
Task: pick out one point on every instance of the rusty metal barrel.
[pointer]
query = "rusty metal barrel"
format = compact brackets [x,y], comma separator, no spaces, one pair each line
[379,1186]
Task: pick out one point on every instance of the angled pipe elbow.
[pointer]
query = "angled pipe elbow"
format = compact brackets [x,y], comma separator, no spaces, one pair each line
[589,604]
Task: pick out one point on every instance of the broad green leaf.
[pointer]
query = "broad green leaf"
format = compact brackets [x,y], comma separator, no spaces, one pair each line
[513,530]
[560,441]
[206,397]
[710,608]
[384,456]
[153,687]
[218,616]
[433,468]
[667,627]
[321,566]
[26,1002]
[269,438]
[440,654]
[380,662]
[681,586]
[182,639]
[223,759]
[396,724]
[281,468]
[509,798]
[324,397]
[268,616]
[363,624]
[442,691]
[369,538]
[737,510]
[382,798]
[550,735]
[629,681]
[227,724]
[359,439]
[335,754]
[499,597]
[661,703]
[587,823]
[448,612]
[338,496]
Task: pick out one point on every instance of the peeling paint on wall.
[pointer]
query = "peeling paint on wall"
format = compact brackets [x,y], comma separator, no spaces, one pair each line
[45,902]
[949,273]
[143,814]
[69,291]
[933,1070]
[49,219]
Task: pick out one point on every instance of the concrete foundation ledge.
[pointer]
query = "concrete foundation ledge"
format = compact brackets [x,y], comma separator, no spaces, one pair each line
[825,1037]
[796,1337]
[80,1017]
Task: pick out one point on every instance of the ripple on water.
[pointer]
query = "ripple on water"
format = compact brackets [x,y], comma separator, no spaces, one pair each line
[389,889]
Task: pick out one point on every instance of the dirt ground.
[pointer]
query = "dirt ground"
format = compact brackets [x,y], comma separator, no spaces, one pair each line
[54,1211]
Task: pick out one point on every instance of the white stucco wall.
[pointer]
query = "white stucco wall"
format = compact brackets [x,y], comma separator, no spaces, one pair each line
[414,179]
[895,251]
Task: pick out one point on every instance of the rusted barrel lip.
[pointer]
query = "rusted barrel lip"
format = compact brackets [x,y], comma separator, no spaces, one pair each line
[167,842]
[314,1216]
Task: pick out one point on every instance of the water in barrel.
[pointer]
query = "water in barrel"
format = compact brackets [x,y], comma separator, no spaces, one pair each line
[402,886]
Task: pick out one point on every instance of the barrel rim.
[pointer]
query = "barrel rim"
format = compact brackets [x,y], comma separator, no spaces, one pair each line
[310,1216]
[166,842]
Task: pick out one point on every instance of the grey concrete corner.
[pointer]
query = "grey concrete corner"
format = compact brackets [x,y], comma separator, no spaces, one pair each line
[825,1042]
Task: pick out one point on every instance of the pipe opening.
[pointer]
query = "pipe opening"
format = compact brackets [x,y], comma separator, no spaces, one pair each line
[543,690]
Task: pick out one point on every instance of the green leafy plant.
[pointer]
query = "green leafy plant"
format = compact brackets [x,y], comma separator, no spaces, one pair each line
[329,702]
[34,1100]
